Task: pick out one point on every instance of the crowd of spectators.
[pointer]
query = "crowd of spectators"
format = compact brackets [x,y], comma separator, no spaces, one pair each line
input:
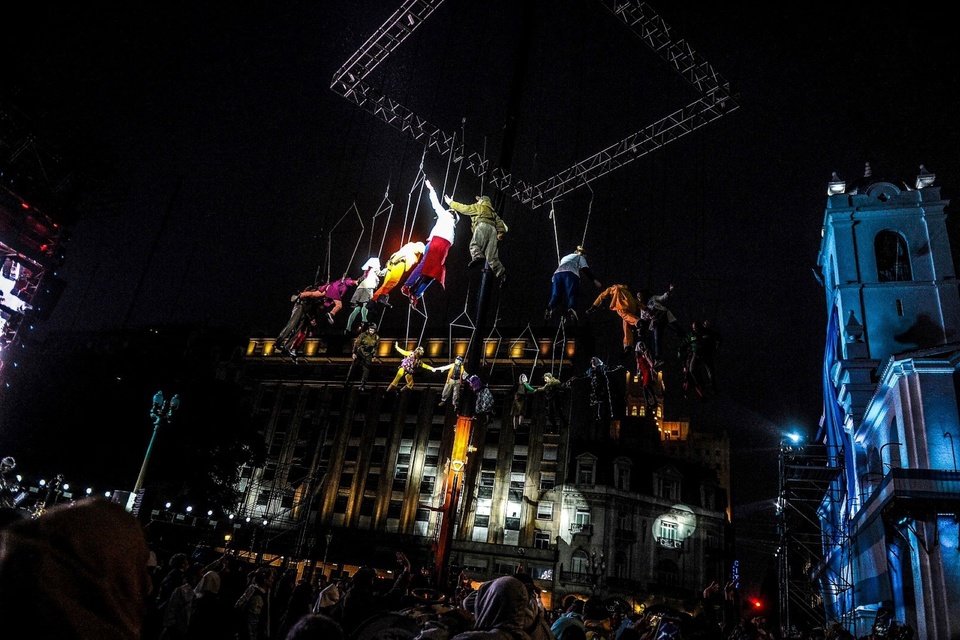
[85,570]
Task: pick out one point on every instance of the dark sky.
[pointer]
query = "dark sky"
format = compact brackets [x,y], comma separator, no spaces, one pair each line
[238,161]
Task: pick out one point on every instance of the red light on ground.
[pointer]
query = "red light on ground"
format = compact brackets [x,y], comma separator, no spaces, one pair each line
[24,205]
[757,604]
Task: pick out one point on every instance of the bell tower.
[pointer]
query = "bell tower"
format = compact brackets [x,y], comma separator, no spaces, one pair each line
[889,277]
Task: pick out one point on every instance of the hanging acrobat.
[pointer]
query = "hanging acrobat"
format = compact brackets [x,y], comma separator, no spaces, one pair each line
[402,260]
[432,268]
[565,284]
[306,306]
[368,283]
[488,228]
[411,363]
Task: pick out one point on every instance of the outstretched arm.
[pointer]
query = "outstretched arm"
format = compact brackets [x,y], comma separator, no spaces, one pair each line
[401,350]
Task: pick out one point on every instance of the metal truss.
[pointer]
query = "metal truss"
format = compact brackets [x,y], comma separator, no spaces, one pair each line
[716,100]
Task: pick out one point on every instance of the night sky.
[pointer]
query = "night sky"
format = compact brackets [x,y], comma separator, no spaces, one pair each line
[237,161]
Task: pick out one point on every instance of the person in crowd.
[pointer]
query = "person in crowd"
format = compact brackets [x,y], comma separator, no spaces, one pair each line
[178,608]
[210,615]
[488,229]
[368,283]
[299,604]
[565,284]
[9,486]
[315,626]
[330,596]
[362,601]
[254,607]
[502,611]
[177,566]
[365,353]
[80,571]
[571,617]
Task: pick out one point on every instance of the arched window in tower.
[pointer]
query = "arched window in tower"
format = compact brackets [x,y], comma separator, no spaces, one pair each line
[893,261]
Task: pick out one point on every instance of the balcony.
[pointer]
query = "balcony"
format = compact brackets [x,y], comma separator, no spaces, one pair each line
[580,528]
[577,578]
[670,543]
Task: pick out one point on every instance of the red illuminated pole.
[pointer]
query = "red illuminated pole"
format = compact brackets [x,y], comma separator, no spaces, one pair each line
[454,481]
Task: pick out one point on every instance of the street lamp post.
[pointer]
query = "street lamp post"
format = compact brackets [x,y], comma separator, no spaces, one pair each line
[598,568]
[161,412]
[326,550]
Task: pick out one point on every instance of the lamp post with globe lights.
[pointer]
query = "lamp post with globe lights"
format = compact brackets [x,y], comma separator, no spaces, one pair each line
[161,412]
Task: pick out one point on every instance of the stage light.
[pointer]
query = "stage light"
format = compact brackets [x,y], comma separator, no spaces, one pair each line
[836,186]
[925,178]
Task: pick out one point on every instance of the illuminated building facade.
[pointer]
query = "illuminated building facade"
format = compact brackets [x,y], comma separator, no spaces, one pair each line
[609,509]
[891,413]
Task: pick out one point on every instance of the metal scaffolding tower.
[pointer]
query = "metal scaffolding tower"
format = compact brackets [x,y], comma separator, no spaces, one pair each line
[715,100]
[808,473]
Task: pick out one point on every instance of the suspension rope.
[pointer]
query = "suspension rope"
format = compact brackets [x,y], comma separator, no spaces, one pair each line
[553,218]
[586,224]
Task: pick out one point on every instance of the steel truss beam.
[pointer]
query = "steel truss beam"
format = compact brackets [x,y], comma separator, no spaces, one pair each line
[716,100]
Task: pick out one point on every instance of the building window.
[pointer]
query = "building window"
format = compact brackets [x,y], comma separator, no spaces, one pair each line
[667,573]
[579,562]
[621,474]
[427,484]
[516,487]
[366,507]
[585,471]
[708,497]
[519,462]
[548,480]
[893,262]
[667,484]
[481,521]
[340,504]
[394,509]
[620,568]
[550,452]
[624,521]
[400,478]
[433,455]
[581,521]
[346,479]
[544,511]
[541,539]
[667,536]
[486,485]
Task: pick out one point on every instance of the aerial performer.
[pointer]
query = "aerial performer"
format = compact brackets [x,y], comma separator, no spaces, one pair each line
[333,295]
[566,284]
[365,348]
[369,281]
[660,317]
[456,374]
[650,382]
[402,260]
[433,265]
[411,363]
[600,393]
[623,302]
[551,392]
[518,407]
[488,229]
[302,317]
